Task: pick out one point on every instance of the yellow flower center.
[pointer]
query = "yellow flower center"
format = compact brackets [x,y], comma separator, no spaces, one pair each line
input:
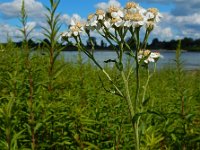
[100,12]
[130,5]
[133,17]
[90,16]
[153,11]
[78,25]
[147,52]
[144,52]
[114,20]
[74,29]
[113,9]
[128,16]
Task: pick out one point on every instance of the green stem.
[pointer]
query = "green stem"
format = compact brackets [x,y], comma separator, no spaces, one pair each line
[137,90]
[128,99]
[81,48]
[131,110]
[144,44]
[145,87]
[137,71]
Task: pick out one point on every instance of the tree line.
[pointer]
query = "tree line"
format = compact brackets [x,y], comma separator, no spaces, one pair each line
[187,44]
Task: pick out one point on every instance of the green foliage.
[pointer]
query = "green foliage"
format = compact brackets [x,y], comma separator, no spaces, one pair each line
[84,116]
[63,105]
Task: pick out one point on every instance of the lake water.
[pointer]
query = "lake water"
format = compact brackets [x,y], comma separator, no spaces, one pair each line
[191,60]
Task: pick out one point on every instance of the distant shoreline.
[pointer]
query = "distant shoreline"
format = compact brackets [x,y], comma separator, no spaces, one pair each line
[159,50]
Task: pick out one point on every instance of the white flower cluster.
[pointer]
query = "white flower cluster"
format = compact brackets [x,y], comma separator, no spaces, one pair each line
[147,56]
[131,16]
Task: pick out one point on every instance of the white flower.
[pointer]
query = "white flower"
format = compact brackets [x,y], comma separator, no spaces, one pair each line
[155,56]
[107,23]
[75,28]
[117,14]
[153,14]
[148,56]
[118,22]
[134,19]
[92,22]
[132,7]
[100,14]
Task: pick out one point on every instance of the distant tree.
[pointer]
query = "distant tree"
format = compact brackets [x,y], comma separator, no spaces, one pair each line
[103,44]
[155,43]
[187,42]
[31,43]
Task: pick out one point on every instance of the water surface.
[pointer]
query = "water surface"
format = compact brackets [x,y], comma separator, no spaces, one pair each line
[190,60]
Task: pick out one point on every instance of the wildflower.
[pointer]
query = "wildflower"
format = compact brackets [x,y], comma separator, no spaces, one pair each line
[148,56]
[116,12]
[92,22]
[134,20]
[155,56]
[132,7]
[117,22]
[107,23]
[100,14]
[153,14]
[75,28]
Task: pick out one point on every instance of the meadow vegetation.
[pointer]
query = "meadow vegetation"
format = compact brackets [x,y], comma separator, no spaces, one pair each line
[48,103]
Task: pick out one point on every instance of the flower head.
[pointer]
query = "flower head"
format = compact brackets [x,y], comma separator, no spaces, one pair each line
[134,19]
[153,14]
[130,5]
[92,22]
[75,28]
[115,12]
[117,22]
[100,14]
[147,56]
[155,56]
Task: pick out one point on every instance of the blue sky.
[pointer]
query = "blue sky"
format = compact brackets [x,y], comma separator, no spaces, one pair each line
[181,18]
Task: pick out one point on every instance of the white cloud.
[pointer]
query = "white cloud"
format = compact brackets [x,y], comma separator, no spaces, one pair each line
[190,19]
[65,18]
[31,25]
[163,33]
[172,25]
[183,26]
[181,7]
[12,9]
[8,31]
[104,5]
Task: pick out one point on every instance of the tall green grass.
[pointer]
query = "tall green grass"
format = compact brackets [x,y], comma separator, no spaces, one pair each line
[48,103]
